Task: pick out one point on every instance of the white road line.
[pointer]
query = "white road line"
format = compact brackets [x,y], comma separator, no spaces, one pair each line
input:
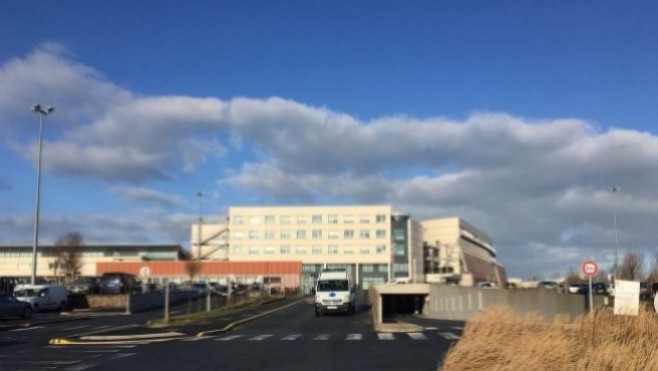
[80,367]
[292,337]
[103,351]
[322,337]
[385,336]
[457,328]
[417,336]
[76,328]
[27,328]
[199,338]
[260,337]
[228,338]
[449,335]
[121,355]
[431,328]
[354,337]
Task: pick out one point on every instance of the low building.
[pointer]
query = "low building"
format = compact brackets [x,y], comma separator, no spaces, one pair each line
[16,260]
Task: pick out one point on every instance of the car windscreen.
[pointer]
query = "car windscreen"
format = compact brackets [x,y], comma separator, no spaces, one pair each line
[333,285]
[26,292]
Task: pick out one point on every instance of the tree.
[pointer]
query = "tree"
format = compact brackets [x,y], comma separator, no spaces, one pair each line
[653,269]
[631,266]
[67,252]
[193,268]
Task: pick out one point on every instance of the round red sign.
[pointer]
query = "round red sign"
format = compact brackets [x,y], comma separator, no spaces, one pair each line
[590,268]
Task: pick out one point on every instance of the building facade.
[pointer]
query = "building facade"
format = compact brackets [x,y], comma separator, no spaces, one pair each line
[16,260]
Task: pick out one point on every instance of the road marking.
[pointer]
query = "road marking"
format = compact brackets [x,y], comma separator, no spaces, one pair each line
[417,336]
[228,338]
[385,336]
[80,367]
[457,328]
[354,337]
[292,337]
[322,337]
[199,338]
[449,335]
[76,328]
[103,351]
[431,328]
[260,337]
[27,328]
[121,355]
[49,362]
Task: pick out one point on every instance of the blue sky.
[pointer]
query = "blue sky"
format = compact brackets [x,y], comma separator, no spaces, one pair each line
[490,110]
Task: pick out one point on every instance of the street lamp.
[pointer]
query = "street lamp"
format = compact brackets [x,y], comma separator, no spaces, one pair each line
[614,190]
[36,108]
[199,194]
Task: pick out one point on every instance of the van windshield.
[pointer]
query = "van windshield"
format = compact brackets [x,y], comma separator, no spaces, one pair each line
[28,292]
[333,285]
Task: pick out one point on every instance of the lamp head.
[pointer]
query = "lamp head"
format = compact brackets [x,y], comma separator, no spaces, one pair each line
[50,109]
[36,107]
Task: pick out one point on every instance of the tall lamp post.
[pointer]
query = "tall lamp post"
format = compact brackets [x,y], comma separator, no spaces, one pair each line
[36,108]
[614,190]
[199,194]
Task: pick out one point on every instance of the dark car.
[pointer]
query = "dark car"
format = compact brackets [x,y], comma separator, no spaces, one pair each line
[600,288]
[119,283]
[12,307]
[85,285]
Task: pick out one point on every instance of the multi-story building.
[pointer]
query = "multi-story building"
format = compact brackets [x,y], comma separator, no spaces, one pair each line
[464,253]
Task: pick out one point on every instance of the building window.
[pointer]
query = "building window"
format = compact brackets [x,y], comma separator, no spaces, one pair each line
[301,220]
[381,218]
[285,235]
[381,233]
[253,235]
[398,234]
[401,268]
[348,250]
[348,219]
[367,268]
[381,249]
[333,235]
[254,220]
[316,219]
[316,250]
[364,219]
[348,234]
[364,250]
[269,250]
[285,249]
[333,249]
[316,234]
[237,220]
[364,234]
[253,250]
[301,250]
[301,234]
[332,219]
[382,268]
[284,219]
[269,219]
[237,250]
[399,249]
[269,235]
[238,235]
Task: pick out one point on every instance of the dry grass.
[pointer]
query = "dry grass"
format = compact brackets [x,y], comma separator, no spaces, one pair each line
[497,339]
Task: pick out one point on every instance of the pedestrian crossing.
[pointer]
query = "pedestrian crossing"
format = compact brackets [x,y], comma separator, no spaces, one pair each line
[381,336]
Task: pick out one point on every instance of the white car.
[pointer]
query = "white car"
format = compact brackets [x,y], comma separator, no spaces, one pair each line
[42,297]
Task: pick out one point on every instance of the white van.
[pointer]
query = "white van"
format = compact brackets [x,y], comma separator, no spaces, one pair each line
[42,297]
[334,293]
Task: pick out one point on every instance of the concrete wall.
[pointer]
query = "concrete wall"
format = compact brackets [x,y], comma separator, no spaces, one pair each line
[461,303]
[154,300]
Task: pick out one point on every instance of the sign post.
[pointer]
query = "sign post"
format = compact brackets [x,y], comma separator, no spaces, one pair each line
[590,268]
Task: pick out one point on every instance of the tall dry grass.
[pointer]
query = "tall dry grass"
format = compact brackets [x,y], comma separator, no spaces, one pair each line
[497,339]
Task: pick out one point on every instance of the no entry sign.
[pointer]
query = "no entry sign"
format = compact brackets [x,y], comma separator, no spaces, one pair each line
[590,268]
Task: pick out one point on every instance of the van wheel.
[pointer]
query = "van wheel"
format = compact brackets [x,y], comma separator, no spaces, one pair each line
[62,306]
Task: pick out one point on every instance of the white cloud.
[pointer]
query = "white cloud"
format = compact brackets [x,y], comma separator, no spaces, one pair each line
[536,186]
[146,195]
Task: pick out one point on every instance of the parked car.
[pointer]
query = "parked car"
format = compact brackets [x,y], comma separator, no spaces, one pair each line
[119,283]
[645,290]
[574,288]
[84,285]
[551,285]
[43,296]
[600,288]
[12,307]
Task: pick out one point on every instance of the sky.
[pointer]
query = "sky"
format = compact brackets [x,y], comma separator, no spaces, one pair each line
[517,116]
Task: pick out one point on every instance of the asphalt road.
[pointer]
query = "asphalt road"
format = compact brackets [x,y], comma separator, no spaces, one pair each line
[291,339]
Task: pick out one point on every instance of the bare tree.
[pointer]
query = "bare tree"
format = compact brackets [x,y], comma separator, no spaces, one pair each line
[572,276]
[653,269]
[193,268]
[67,252]
[631,266]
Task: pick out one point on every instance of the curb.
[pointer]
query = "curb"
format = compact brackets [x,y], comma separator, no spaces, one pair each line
[245,320]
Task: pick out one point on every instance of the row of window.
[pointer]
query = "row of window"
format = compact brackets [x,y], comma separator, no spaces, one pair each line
[302,234]
[303,250]
[314,219]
